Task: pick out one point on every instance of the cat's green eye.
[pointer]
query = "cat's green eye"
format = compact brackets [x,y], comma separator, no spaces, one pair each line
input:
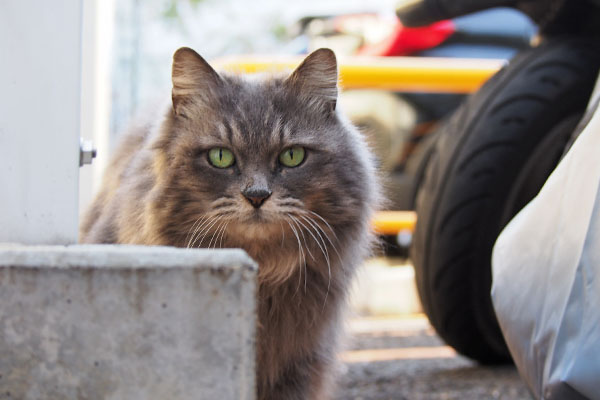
[292,156]
[220,157]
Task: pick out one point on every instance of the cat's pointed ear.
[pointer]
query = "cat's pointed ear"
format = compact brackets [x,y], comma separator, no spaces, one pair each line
[316,79]
[193,79]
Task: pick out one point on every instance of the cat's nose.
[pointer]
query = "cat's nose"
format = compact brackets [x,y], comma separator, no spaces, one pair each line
[256,197]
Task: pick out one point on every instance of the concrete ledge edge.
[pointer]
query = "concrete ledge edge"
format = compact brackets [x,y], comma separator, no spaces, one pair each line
[123,257]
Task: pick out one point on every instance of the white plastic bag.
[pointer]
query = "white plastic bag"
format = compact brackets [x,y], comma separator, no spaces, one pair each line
[546,278]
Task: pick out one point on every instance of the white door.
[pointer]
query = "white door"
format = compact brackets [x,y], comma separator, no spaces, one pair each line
[40,63]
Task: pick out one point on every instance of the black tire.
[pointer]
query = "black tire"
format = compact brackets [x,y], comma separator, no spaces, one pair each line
[488,161]
[417,164]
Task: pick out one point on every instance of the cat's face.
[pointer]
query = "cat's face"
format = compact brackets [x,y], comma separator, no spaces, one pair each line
[260,161]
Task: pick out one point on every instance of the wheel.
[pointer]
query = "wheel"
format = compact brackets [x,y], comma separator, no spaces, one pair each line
[488,161]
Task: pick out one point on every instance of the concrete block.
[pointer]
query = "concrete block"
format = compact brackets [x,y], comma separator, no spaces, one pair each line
[126,322]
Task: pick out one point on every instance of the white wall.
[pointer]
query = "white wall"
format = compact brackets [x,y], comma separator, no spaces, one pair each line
[98,25]
[40,57]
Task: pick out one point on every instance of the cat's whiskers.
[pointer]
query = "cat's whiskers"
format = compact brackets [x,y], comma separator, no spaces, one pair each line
[191,235]
[299,214]
[215,234]
[282,233]
[187,236]
[223,235]
[304,215]
[320,239]
[209,229]
[295,206]
[325,233]
[343,270]
[299,225]
[208,221]
[200,229]
[301,257]
[326,224]
[224,206]
[206,230]
[317,241]
[323,250]
[328,238]
[309,220]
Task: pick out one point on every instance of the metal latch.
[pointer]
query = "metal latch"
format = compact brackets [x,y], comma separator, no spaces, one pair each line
[87,152]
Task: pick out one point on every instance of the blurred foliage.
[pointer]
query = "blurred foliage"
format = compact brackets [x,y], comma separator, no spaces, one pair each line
[171,11]
[280,31]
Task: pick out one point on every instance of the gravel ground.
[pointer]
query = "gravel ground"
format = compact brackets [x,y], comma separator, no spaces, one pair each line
[403,358]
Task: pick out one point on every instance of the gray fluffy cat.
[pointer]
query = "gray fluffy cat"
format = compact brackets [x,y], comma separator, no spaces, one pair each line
[269,166]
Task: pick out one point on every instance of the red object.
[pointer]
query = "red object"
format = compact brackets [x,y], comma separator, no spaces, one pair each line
[404,41]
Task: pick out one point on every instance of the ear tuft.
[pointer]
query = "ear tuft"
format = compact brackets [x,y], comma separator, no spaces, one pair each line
[191,76]
[316,78]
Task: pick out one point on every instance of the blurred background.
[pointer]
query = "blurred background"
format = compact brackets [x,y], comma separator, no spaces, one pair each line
[145,35]
[128,65]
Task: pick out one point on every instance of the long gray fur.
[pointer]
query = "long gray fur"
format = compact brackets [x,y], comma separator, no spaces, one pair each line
[307,238]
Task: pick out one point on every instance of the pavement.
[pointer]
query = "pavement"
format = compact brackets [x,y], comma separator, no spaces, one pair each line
[401,357]
[392,352]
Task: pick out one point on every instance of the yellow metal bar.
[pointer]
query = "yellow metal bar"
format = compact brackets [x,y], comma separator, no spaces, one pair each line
[403,74]
[392,222]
